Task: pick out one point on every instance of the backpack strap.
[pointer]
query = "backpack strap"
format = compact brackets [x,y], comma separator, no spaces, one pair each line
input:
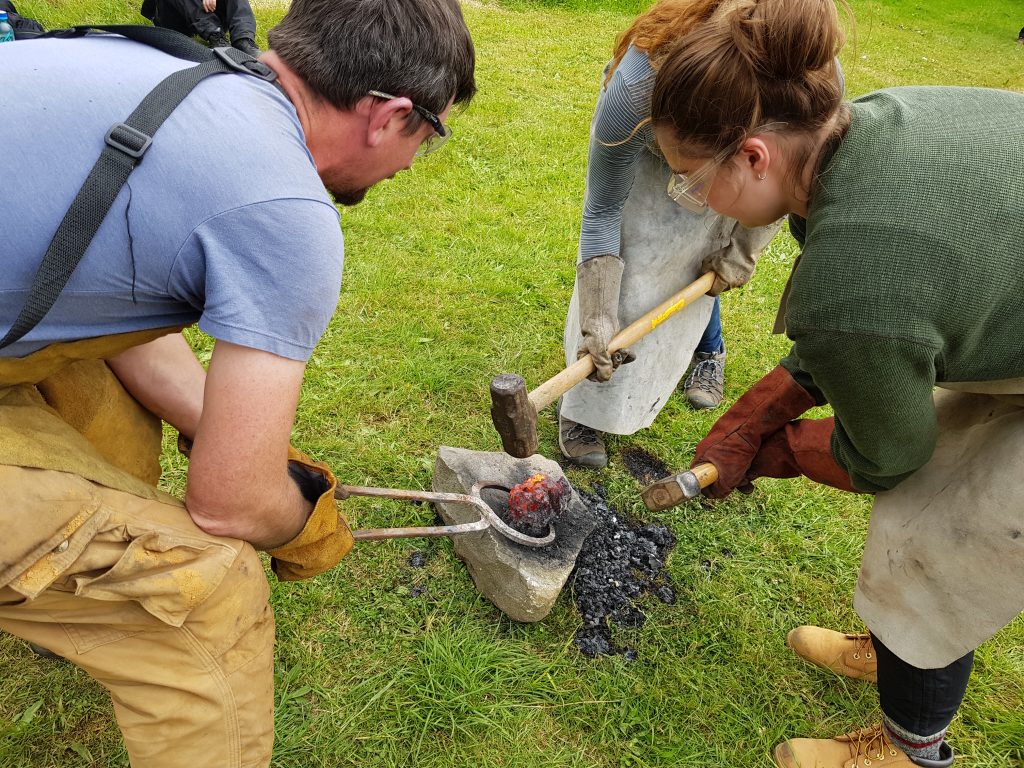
[124,147]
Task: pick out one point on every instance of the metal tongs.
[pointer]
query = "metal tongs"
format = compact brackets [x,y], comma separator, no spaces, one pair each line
[488,518]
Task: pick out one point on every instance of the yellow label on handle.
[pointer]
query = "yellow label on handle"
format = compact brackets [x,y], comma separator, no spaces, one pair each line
[667,313]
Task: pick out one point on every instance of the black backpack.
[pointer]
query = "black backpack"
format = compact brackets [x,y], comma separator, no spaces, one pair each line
[23,27]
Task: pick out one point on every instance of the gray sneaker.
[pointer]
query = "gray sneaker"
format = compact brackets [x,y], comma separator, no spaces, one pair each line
[705,385]
[581,444]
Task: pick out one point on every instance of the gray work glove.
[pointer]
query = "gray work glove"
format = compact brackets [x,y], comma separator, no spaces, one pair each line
[734,265]
[598,280]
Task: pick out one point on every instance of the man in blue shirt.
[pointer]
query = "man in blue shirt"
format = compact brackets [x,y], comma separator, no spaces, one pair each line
[228,222]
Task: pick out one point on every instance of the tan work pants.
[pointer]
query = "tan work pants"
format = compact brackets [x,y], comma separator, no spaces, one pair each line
[114,575]
[191,688]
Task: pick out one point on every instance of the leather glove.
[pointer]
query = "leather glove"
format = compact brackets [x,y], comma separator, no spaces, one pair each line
[802,447]
[734,441]
[734,265]
[326,537]
[598,281]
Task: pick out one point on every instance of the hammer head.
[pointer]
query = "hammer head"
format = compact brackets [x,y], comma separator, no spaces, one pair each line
[513,415]
[671,491]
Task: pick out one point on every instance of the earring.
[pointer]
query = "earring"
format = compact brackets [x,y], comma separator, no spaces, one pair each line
[762,176]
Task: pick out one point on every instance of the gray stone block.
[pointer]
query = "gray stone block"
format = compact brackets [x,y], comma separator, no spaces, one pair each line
[523,582]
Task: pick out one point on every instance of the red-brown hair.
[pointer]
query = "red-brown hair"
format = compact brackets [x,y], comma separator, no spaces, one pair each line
[654,31]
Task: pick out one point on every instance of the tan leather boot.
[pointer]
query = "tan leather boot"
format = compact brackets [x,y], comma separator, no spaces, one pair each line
[861,749]
[847,655]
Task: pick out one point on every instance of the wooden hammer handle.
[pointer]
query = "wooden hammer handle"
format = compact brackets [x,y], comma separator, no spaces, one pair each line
[560,383]
[705,474]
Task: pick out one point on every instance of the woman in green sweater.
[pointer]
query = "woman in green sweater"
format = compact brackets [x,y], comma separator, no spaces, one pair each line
[909,205]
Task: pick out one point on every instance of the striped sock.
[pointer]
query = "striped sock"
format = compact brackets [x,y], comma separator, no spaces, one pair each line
[914,745]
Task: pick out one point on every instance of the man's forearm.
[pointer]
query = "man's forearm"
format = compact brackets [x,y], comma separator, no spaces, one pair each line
[277,519]
[238,481]
[166,378]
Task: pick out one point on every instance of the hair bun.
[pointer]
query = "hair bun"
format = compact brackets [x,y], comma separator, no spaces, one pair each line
[784,39]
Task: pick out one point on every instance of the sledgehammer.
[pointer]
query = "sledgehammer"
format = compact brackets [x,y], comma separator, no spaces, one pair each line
[675,489]
[514,412]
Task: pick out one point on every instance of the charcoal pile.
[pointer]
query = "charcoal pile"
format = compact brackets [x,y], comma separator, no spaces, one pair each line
[620,563]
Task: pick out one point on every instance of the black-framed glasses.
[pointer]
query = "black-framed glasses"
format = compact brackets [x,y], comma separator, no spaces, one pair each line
[441,131]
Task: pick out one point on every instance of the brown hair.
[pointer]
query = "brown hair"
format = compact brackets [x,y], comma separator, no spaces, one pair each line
[751,63]
[654,32]
[415,48]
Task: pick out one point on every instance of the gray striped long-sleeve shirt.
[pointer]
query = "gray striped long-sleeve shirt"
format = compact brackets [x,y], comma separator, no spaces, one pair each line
[613,154]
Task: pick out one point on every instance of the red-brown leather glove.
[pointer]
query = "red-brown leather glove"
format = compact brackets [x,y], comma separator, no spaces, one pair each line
[802,447]
[736,438]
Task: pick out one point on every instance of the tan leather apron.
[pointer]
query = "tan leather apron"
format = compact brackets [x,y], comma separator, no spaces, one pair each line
[943,565]
[62,408]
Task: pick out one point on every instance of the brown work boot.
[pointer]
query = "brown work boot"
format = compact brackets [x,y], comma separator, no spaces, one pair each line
[860,749]
[705,385]
[580,444]
[847,655]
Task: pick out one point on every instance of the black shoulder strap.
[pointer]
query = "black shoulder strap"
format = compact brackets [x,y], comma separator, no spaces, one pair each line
[125,145]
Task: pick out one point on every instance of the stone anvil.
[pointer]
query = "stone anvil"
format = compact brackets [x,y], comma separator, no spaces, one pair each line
[523,582]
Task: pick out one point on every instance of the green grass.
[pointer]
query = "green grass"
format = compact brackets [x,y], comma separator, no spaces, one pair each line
[463,269]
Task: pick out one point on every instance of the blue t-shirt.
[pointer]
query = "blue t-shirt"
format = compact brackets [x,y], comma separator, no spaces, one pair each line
[224,221]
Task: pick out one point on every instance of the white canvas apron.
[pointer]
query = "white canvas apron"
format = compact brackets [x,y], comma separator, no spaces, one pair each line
[663,246]
[943,565]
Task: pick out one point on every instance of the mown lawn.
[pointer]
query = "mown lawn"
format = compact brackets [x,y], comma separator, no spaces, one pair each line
[463,269]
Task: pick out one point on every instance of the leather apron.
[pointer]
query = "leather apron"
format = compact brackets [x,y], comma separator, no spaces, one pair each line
[943,565]
[662,246]
[62,408]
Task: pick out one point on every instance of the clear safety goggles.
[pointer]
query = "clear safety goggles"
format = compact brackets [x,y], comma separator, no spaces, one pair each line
[690,190]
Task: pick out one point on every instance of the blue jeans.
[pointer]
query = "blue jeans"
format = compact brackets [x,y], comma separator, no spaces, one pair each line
[712,341]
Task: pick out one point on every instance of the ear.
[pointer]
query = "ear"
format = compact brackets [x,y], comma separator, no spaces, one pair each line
[384,118]
[756,155]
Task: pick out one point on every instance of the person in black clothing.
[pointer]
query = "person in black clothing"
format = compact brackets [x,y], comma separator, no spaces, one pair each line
[24,27]
[209,19]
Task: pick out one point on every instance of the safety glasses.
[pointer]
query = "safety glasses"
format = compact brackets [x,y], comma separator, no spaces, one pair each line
[690,190]
[441,132]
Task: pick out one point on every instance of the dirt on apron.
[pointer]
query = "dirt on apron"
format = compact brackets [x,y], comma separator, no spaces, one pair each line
[943,565]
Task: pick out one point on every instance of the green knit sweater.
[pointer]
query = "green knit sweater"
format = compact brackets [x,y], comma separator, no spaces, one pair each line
[912,270]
